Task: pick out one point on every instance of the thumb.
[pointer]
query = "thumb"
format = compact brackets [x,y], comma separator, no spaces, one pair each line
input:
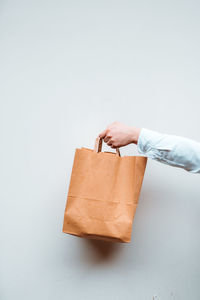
[102,134]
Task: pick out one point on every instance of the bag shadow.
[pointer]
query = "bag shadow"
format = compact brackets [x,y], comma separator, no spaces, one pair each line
[102,251]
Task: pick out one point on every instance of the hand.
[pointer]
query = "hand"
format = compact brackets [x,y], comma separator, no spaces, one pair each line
[117,135]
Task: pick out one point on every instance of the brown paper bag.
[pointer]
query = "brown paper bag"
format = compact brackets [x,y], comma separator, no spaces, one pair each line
[103,194]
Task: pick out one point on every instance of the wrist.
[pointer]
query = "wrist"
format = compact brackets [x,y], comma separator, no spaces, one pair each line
[135,132]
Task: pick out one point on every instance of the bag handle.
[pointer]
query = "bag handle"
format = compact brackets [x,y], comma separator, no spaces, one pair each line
[98,146]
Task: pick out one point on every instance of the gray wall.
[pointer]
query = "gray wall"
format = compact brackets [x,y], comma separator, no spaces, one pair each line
[68,69]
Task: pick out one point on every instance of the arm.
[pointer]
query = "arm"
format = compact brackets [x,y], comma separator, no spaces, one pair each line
[169,149]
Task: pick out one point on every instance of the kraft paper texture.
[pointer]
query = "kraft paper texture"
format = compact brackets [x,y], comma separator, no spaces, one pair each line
[103,195]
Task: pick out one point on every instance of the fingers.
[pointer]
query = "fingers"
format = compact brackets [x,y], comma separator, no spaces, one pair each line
[109,143]
[108,136]
[106,139]
[113,147]
[103,134]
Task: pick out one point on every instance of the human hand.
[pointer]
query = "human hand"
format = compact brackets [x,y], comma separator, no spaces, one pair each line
[117,135]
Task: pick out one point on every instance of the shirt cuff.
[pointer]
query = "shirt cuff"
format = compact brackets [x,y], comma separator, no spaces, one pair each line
[148,139]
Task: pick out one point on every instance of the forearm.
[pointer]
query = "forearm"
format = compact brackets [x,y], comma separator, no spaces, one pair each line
[170,149]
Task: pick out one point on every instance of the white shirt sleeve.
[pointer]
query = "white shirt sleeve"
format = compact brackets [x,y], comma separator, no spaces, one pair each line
[170,149]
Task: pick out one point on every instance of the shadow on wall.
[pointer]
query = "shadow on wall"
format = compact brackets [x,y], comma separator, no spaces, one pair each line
[97,251]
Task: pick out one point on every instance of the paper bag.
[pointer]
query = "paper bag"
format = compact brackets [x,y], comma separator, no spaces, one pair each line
[103,194]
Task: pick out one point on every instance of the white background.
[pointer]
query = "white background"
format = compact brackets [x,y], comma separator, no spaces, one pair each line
[68,69]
